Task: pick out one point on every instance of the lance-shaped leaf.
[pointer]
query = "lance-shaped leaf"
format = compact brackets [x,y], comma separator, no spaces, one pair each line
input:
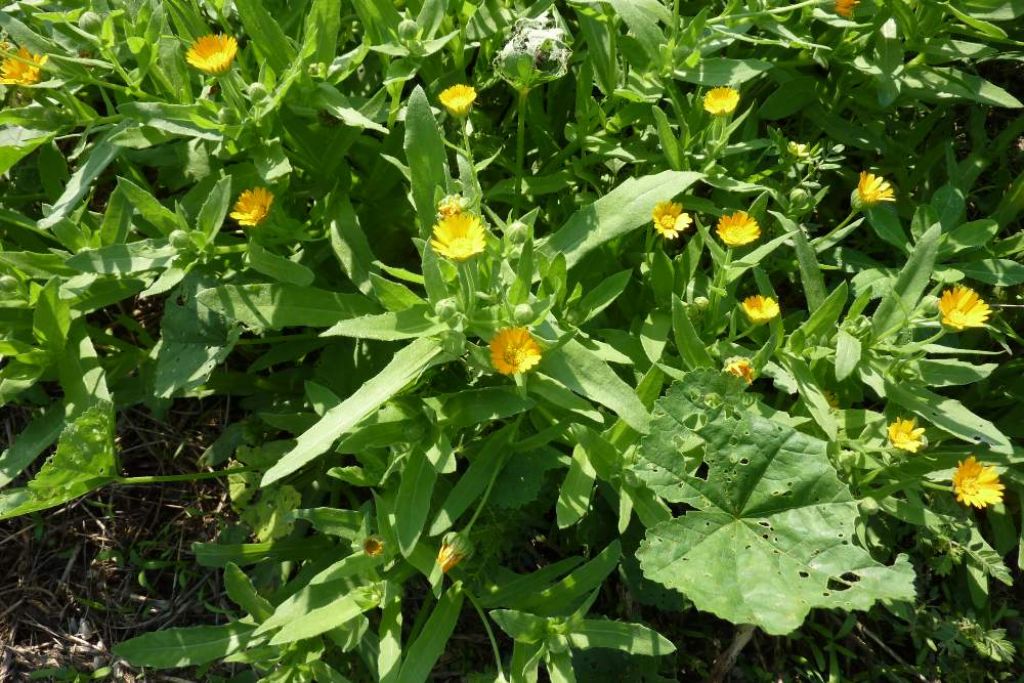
[772,536]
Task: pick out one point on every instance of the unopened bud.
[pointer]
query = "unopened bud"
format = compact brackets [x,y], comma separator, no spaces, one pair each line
[180,240]
[445,309]
[517,232]
[257,91]
[8,283]
[454,549]
[523,314]
[408,30]
[373,546]
[90,22]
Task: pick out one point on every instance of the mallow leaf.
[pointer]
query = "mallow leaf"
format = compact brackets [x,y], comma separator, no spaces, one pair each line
[772,535]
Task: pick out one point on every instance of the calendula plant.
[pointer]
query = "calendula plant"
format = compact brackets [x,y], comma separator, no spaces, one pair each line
[580,330]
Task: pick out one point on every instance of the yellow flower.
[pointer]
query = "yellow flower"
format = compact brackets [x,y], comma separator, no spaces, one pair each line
[799,149]
[373,546]
[253,206]
[451,205]
[721,101]
[740,367]
[213,54]
[23,70]
[872,189]
[844,8]
[513,350]
[760,309]
[961,307]
[738,229]
[670,220]
[459,236]
[976,484]
[906,435]
[458,99]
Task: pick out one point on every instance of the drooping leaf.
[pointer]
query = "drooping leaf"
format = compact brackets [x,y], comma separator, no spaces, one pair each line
[191,646]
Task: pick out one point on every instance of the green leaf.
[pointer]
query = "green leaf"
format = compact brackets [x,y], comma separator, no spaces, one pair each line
[483,468]
[622,210]
[406,366]
[278,267]
[949,415]
[572,589]
[812,394]
[103,152]
[810,271]
[632,638]
[774,528]
[266,34]
[413,503]
[349,243]
[215,208]
[31,442]
[718,71]
[418,321]
[581,370]
[577,487]
[273,306]
[690,346]
[84,461]
[424,652]
[16,143]
[241,591]
[897,306]
[51,318]
[125,259]
[177,647]
[848,350]
[424,150]
[334,614]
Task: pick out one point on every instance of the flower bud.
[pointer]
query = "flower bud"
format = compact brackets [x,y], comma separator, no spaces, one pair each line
[257,91]
[408,30]
[317,70]
[454,549]
[517,232]
[523,314]
[798,149]
[868,506]
[90,22]
[8,283]
[446,309]
[227,115]
[180,240]
[701,303]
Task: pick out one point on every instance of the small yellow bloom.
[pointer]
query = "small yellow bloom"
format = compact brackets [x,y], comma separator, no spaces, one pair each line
[872,189]
[373,546]
[740,367]
[961,307]
[458,99]
[844,8]
[23,70]
[451,205]
[906,435]
[670,220]
[976,484]
[213,54]
[738,229]
[253,206]
[760,309]
[459,236]
[513,350]
[721,101]
[831,399]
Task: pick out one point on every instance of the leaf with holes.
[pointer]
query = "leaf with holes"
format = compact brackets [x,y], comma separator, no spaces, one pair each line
[771,538]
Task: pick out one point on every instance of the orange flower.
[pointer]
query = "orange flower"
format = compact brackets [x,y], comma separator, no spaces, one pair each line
[513,351]
[844,8]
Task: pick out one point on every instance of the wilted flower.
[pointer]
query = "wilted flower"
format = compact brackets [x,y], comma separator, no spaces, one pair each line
[451,205]
[760,309]
[459,236]
[906,435]
[844,8]
[536,52]
[253,206]
[454,549]
[961,307]
[213,54]
[23,70]
[670,220]
[373,546]
[976,484]
[740,367]
[513,351]
[872,189]
[458,99]
[738,229]
[721,101]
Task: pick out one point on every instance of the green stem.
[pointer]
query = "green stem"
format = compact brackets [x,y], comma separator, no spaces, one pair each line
[161,479]
[490,633]
[277,338]
[229,249]
[517,189]
[776,10]
[717,287]
[826,237]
